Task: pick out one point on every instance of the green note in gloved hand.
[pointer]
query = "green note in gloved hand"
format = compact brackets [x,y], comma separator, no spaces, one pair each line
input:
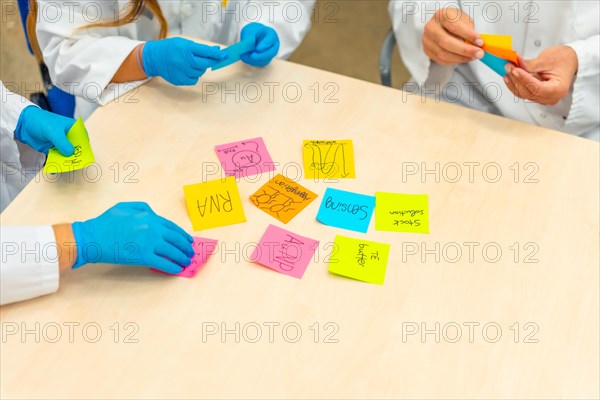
[83,156]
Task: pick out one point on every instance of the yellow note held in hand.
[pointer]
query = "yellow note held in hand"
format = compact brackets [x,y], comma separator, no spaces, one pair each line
[83,156]
[214,203]
[326,159]
[500,41]
[401,212]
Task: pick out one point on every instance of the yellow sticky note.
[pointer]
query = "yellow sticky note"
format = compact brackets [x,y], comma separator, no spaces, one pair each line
[325,159]
[213,204]
[359,259]
[83,156]
[501,41]
[224,3]
[401,212]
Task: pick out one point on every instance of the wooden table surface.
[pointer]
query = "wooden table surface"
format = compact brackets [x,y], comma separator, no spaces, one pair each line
[526,325]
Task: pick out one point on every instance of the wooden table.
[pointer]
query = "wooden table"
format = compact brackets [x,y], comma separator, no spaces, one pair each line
[357,340]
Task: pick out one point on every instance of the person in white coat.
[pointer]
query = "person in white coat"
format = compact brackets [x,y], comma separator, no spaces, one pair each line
[557,82]
[99,50]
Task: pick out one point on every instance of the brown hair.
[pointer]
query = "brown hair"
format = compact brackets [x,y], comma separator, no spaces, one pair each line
[137,6]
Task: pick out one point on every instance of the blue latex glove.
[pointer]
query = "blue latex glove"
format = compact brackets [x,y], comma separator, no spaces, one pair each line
[133,234]
[267,44]
[43,130]
[179,61]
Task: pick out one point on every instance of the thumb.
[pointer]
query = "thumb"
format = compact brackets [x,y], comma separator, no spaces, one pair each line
[62,144]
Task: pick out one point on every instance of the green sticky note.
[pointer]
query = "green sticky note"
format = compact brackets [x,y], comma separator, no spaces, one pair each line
[83,156]
[359,259]
[401,212]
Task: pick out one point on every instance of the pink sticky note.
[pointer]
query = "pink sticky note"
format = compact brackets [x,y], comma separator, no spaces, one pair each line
[203,248]
[245,158]
[284,251]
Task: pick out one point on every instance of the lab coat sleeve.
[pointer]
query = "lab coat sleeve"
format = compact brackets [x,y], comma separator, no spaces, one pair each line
[12,106]
[408,22]
[82,61]
[583,115]
[29,265]
[290,18]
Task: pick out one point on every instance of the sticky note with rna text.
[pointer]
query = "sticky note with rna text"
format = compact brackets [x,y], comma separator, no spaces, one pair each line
[326,159]
[83,156]
[214,203]
[347,210]
[402,212]
[282,198]
[359,259]
[284,251]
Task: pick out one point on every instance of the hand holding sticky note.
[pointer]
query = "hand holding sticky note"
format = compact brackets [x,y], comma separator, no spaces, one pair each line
[81,158]
[234,53]
[498,52]
[203,249]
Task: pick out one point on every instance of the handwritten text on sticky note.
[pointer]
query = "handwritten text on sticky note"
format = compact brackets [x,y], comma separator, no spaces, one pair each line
[203,249]
[326,159]
[244,158]
[359,259]
[282,198]
[213,204]
[402,212]
[284,251]
[346,210]
[81,158]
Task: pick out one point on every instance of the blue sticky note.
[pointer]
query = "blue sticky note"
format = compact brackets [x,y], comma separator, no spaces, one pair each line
[346,210]
[497,64]
[234,52]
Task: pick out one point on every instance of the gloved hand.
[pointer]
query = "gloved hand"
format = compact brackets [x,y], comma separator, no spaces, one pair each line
[43,130]
[133,234]
[267,44]
[179,61]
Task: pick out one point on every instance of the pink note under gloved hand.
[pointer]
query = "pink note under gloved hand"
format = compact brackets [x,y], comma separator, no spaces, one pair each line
[204,249]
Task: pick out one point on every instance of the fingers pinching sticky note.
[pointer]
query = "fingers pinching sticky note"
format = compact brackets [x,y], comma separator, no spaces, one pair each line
[245,158]
[326,159]
[497,64]
[284,251]
[83,156]
[402,212]
[214,203]
[498,52]
[347,210]
[234,53]
[203,248]
[359,259]
[282,198]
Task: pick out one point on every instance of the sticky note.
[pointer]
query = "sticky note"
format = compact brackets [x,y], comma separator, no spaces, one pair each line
[402,212]
[325,159]
[505,54]
[501,41]
[245,158]
[282,198]
[234,53]
[214,203]
[359,259]
[497,64]
[346,210]
[204,249]
[284,251]
[82,157]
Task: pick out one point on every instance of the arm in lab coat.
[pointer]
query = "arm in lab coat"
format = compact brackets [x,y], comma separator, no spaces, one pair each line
[583,115]
[409,19]
[12,106]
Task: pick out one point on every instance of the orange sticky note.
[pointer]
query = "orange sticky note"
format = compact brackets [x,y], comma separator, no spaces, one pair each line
[282,198]
[509,55]
[501,41]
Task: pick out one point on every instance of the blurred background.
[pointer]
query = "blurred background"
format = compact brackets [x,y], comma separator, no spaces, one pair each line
[345,38]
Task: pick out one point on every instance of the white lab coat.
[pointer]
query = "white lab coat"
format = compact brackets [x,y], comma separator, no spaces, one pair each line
[19,162]
[534,26]
[29,265]
[83,62]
